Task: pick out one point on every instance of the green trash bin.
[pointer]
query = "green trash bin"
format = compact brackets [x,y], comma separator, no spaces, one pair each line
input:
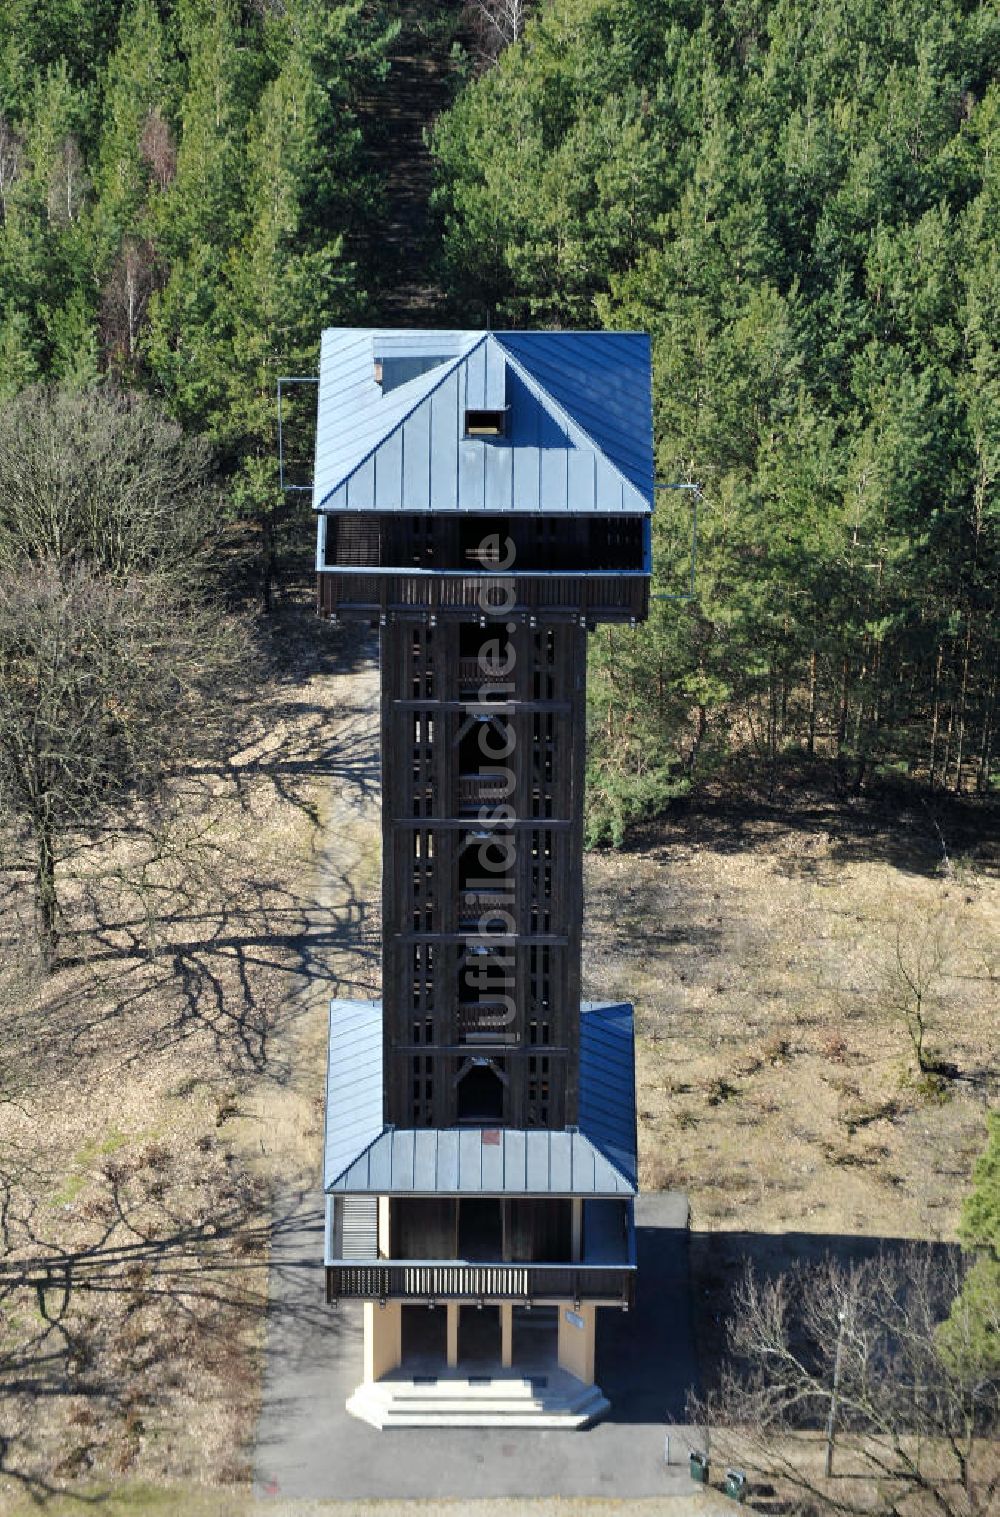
[698,1465]
[736,1485]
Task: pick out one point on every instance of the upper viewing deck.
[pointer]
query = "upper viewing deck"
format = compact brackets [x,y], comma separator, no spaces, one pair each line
[464,473]
[410,563]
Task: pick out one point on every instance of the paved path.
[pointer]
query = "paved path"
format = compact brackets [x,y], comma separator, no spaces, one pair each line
[309,1448]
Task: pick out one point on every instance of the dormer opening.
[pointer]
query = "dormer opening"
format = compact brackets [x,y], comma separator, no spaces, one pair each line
[486,423]
[395,369]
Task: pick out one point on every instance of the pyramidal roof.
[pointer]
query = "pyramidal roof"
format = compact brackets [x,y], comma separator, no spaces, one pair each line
[391,427]
[363,1155]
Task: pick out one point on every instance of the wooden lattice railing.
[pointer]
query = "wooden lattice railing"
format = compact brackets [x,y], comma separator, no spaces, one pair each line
[441,1280]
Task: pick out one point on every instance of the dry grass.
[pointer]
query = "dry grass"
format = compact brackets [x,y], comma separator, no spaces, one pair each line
[163,1080]
[775,1084]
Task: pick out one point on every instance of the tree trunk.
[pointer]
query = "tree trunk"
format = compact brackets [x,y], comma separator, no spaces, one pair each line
[268,561]
[986,755]
[845,687]
[772,731]
[46,900]
[699,738]
[875,724]
[946,765]
[962,702]
[831,1421]
[811,740]
[936,717]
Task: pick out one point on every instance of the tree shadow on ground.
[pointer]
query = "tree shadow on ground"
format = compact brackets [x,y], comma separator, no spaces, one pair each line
[674,1338]
[719,1261]
[296,642]
[214,945]
[911,831]
[108,1318]
[206,978]
[310,753]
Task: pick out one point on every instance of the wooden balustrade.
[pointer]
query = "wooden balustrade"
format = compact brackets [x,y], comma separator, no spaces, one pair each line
[598,597]
[441,1280]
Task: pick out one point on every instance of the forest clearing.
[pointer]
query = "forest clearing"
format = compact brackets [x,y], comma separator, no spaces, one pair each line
[777,1085]
[149,1135]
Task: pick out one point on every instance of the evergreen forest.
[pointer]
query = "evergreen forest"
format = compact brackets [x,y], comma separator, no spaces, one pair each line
[800,202]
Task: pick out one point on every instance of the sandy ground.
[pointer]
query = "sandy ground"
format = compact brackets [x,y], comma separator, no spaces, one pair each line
[766,950]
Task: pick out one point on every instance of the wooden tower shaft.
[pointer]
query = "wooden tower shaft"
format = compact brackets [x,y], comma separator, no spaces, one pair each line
[483,734]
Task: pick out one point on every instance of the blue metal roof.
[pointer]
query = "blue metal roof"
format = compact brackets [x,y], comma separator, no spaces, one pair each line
[363,1156]
[353,1082]
[607,1082]
[579,435]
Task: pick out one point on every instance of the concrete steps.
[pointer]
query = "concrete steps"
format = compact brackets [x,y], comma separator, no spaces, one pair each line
[556,1400]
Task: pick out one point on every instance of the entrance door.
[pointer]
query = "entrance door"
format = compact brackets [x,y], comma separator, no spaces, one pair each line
[425,1344]
[479,1337]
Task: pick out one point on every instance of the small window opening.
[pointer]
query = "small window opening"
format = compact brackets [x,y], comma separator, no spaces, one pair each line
[485,423]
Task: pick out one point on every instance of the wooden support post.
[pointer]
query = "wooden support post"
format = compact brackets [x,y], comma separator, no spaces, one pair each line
[452,1310]
[506,1334]
[576,1340]
[383,1338]
[576,1237]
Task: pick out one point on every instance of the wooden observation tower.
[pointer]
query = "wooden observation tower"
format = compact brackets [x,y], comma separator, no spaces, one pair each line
[485,499]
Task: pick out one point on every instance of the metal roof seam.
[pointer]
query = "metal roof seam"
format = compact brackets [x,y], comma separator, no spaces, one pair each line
[363,1156]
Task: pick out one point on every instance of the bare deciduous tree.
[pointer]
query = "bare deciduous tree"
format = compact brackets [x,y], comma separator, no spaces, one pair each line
[103,479]
[842,1395]
[495,25]
[68,184]
[908,979]
[111,651]
[158,149]
[103,688]
[125,298]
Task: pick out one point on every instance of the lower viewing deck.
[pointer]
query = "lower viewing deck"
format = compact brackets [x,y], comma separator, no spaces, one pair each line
[585,1251]
[440,1280]
[469,1234]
